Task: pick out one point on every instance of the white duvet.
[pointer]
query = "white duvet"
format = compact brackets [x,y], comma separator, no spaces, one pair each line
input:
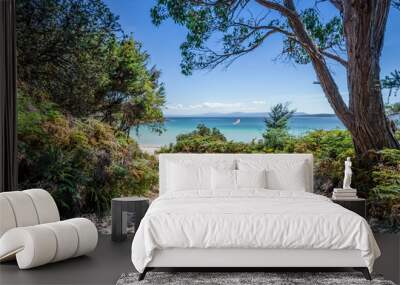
[250,219]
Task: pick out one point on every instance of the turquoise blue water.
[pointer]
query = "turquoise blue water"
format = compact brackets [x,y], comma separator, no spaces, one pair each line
[245,131]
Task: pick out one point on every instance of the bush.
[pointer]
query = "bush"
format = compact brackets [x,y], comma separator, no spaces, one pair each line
[82,163]
[276,139]
[384,197]
[203,140]
[330,150]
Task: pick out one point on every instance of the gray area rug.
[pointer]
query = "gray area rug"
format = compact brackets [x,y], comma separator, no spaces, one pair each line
[236,278]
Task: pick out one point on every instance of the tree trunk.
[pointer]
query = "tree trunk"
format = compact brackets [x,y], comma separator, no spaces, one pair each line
[364,24]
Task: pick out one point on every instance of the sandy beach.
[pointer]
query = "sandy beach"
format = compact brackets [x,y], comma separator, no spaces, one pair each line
[150,149]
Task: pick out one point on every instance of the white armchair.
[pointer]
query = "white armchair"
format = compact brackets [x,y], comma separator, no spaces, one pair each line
[31,231]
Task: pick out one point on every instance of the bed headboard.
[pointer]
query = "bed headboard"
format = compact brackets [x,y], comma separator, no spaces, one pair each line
[215,158]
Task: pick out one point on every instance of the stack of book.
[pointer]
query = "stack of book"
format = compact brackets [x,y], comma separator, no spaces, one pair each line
[341,194]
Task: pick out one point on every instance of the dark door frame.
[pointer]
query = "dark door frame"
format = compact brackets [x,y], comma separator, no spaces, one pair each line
[8,97]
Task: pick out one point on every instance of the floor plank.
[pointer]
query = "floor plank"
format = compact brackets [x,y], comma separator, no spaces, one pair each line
[103,266]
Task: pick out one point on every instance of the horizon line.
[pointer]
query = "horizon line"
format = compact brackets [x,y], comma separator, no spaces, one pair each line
[256,114]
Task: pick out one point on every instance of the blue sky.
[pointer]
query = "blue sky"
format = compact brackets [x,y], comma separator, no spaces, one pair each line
[251,84]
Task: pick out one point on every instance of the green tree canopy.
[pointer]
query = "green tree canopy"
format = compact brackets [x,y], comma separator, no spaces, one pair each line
[132,94]
[62,47]
[392,83]
[276,124]
[278,117]
[75,53]
[204,132]
[241,28]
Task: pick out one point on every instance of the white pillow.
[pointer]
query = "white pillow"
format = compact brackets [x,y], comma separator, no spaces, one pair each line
[251,178]
[185,178]
[292,178]
[223,179]
[281,174]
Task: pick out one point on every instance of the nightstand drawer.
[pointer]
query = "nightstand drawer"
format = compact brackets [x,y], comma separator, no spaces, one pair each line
[357,206]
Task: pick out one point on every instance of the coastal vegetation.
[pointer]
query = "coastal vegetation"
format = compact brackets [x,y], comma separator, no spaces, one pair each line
[277,126]
[82,86]
[83,163]
[75,54]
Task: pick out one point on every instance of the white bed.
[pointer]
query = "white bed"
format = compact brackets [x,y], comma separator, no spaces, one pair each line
[201,223]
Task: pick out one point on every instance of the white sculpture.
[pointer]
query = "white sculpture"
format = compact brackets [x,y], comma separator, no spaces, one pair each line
[347,174]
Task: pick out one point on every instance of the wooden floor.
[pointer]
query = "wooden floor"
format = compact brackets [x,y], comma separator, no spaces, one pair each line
[103,266]
[106,264]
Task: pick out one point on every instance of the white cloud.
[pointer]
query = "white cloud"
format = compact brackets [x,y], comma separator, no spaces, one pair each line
[191,107]
[206,105]
[317,103]
[218,105]
[223,107]
[259,102]
[175,107]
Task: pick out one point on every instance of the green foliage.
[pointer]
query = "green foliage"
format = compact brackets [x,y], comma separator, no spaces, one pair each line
[240,27]
[384,197]
[325,35]
[279,116]
[203,132]
[393,109]
[83,85]
[61,49]
[397,135]
[330,149]
[276,139]
[392,82]
[203,140]
[82,163]
[276,135]
[132,93]
[75,54]
[335,144]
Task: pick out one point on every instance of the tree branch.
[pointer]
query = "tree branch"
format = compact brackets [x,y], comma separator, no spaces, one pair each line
[268,27]
[219,58]
[334,57]
[293,37]
[277,7]
[328,84]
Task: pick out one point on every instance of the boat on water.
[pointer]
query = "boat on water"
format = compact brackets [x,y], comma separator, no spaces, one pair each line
[237,122]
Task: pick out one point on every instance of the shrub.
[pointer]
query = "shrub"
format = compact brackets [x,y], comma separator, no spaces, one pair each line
[330,149]
[203,140]
[276,139]
[82,163]
[384,197]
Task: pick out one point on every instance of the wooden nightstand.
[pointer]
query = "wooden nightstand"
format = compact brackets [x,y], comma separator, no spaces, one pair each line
[358,205]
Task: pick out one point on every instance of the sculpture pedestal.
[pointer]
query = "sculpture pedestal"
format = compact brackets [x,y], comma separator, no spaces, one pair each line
[340,193]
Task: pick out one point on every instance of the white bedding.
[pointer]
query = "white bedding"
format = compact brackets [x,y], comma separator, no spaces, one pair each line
[250,218]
